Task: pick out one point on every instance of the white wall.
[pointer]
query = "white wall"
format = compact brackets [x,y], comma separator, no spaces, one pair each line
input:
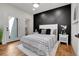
[7,10]
[74,30]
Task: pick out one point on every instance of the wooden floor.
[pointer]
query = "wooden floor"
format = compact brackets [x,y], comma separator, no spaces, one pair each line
[64,50]
[11,50]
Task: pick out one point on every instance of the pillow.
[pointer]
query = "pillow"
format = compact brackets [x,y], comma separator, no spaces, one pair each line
[36,30]
[48,31]
[39,31]
[54,32]
[43,31]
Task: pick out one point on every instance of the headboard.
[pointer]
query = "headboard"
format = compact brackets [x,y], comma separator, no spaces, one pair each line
[52,27]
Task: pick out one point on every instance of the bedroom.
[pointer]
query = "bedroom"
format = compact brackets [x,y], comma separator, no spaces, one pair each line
[39,30]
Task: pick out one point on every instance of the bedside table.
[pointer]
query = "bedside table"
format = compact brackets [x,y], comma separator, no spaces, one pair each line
[63,38]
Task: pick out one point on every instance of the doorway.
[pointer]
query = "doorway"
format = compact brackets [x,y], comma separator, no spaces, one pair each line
[13,28]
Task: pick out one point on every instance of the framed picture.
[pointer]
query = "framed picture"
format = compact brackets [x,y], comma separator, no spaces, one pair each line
[75,16]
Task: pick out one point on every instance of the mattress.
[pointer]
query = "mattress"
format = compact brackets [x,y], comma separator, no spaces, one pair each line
[39,43]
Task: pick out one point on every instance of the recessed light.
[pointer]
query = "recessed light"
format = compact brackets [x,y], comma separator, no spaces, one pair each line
[36,5]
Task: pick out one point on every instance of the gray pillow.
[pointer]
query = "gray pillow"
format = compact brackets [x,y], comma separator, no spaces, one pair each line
[43,31]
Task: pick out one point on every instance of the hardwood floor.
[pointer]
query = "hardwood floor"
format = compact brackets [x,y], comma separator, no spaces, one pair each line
[11,50]
[64,50]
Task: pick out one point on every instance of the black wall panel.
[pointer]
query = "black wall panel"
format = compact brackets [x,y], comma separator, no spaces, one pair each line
[60,16]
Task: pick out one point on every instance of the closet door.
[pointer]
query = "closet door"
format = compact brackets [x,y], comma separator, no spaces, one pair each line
[75,27]
[78,30]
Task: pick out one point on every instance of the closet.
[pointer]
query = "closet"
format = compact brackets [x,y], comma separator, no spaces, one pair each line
[75,27]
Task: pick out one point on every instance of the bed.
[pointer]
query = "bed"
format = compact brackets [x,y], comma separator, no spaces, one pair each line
[41,44]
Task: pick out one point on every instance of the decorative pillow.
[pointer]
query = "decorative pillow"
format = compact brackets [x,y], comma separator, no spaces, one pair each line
[43,31]
[48,31]
[39,31]
[36,30]
[54,32]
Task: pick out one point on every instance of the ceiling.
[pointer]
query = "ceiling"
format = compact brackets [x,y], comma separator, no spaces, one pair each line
[27,7]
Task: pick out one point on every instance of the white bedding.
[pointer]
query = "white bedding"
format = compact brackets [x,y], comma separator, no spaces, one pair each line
[40,43]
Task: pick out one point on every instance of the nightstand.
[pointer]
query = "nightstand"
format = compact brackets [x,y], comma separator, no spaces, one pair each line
[63,38]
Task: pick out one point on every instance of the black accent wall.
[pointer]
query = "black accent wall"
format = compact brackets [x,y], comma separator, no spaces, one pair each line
[60,16]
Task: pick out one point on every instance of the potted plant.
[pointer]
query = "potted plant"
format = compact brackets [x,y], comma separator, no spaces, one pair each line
[1,34]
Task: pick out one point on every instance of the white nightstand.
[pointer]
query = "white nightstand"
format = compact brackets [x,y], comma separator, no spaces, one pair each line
[63,38]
